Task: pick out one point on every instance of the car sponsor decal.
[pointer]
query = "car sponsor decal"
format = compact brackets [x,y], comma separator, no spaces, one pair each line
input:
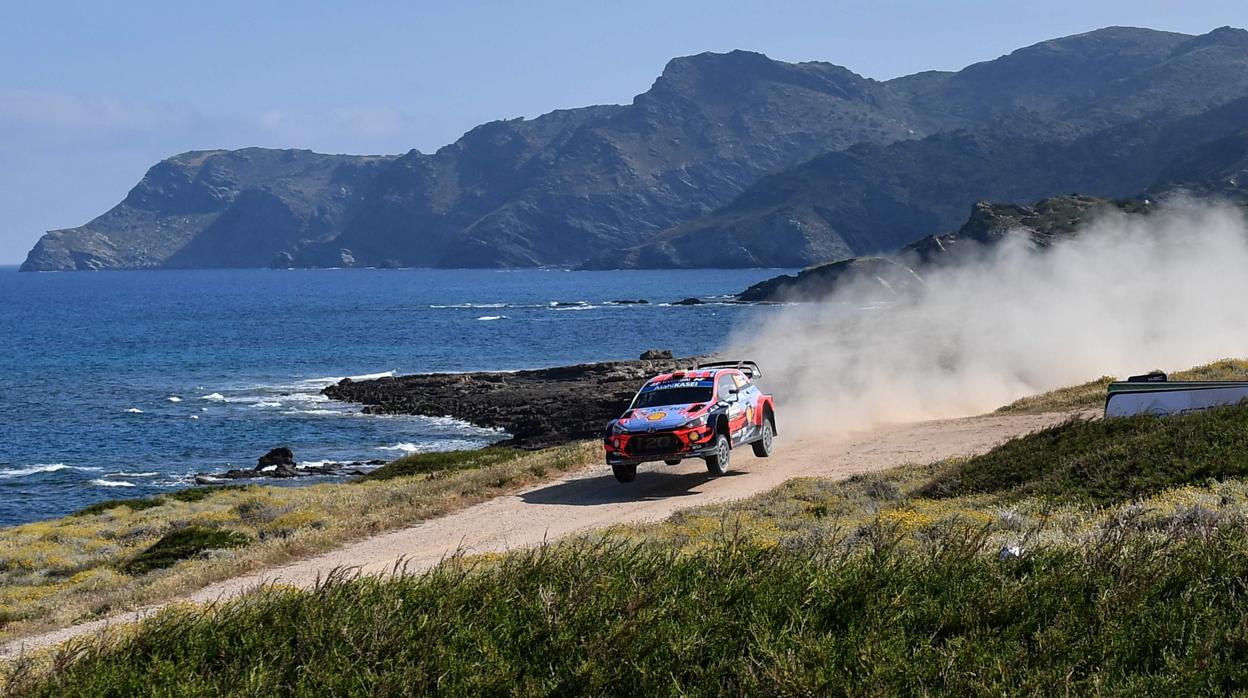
[656,416]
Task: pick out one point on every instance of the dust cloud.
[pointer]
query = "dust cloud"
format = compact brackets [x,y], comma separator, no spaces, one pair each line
[1130,293]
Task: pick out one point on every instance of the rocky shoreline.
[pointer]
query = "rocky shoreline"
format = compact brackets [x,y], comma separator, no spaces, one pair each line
[539,408]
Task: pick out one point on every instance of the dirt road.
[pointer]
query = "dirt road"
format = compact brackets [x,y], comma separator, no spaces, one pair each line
[591,498]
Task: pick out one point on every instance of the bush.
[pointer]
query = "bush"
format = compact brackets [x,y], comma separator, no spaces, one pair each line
[137,504]
[182,544]
[1106,461]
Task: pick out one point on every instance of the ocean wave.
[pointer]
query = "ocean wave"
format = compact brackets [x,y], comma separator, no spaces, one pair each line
[111,483]
[133,410]
[214,397]
[267,404]
[405,447]
[459,306]
[174,398]
[322,413]
[329,380]
[37,468]
[492,317]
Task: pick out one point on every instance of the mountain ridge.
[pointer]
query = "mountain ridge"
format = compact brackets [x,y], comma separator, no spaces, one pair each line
[605,181]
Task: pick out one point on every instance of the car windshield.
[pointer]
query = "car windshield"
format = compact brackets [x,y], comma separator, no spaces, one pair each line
[682,395]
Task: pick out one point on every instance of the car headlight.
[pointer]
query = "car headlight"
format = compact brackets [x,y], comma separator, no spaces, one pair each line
[616,428]
[695,423]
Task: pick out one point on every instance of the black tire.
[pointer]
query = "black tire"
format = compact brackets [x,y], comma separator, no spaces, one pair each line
[625,473]
[717,464]
[674,461]
[762,447]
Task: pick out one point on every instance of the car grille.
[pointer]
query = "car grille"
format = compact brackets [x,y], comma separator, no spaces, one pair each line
[651,444]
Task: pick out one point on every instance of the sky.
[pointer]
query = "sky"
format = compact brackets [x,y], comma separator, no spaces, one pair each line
[94,93]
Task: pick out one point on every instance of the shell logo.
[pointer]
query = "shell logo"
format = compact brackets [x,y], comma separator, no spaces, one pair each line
[656,416]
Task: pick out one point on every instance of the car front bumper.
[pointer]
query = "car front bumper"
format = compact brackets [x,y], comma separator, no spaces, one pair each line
[631,448]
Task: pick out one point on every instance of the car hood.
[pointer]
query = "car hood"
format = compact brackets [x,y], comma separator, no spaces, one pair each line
[661,418]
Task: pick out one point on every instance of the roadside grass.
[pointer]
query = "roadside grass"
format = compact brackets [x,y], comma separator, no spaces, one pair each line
[1126,617]
[1091,395]
[443,462]
[110,557]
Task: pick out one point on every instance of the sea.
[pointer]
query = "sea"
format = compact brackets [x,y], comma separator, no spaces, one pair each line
[128,383]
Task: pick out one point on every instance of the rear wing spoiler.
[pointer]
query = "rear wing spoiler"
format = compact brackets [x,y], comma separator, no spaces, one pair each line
[749,368]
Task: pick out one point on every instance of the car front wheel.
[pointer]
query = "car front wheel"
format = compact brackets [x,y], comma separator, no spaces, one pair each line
[717,462]
[625,473]
[762,447]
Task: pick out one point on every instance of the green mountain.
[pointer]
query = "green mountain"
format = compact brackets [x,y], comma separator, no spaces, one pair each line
[727,160]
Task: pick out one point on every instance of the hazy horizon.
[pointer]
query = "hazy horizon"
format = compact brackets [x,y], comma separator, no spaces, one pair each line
[115,89]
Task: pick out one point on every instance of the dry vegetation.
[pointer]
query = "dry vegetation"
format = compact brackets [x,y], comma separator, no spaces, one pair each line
[121,555]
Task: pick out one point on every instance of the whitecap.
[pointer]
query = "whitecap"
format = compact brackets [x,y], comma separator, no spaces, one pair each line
[492,317]
[405,447]
[214,397]
[149,474]
[174,398]
[362,377]
[31,470]
[111,483]
[134,410]
[268,403]
[194,416]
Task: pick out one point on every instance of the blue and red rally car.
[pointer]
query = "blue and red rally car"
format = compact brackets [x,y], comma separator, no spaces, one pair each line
[704,413]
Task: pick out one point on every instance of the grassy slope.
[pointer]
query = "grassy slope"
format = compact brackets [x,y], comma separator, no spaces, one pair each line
[1091,395]
[128,553]
[1067,560]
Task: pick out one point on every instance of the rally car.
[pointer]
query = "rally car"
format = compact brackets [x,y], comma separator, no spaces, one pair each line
[703,413]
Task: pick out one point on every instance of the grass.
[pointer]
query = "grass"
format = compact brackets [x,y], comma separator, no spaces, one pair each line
[1091,395]
[736,619]
[443,462]
[103,559]
[193,494]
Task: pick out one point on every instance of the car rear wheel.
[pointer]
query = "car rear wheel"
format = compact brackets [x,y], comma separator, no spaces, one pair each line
[625,473]
[762,447]
[673,461]
[717,462]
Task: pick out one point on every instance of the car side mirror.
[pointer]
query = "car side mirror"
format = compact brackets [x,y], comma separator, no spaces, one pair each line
[732,395]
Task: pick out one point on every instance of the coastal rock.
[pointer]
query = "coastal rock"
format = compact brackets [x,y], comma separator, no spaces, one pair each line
[279,456]
[539,408]
[655,354]
[689,301]
[276,464]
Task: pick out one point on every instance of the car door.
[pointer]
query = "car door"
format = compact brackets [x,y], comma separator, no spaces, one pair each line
[748,395]
[726,388]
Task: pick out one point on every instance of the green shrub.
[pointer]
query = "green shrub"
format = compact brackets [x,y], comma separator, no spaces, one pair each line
[137,504]
[1106,461]
[182,544]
